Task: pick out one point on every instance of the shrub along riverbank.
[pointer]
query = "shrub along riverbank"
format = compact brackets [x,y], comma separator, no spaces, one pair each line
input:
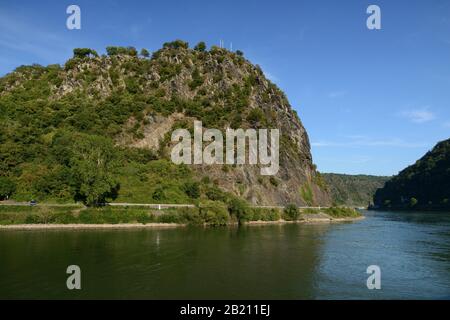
[213,213]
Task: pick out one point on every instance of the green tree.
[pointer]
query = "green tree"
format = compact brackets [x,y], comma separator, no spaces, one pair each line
[176,44]
[131,51]
[291,212]
[192,189]
[201,46]
[214,213]
[238,208]
[158,194]
[84,53]
[255,116]
[412,202]
[112,51]
[7,188]
[93,164]
[145,53]
[214,193]
[239,53]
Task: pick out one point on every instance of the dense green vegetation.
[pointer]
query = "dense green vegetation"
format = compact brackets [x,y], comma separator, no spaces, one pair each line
[211,213]
[422,186]
[291,212]
[108,215]
[7,188]
[352,190]
[342,212]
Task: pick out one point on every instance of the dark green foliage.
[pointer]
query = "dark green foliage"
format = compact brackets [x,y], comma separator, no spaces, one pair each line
[7,187]
[256,116]
[208,213]
[145,53]
[84,53]
[113,51]
[168,70]
[262,214]
[215,194]
[192,189]
[197,79]
[93,164]
[37,215]
[238,208]
[342,212]
[176,44]
[239,53]
[422,186]
[214,213]
[158,194]
[291,212]
[201,47]
[274,181]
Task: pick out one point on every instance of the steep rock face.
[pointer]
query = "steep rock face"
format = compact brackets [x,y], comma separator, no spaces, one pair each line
[423,185]
[149,98]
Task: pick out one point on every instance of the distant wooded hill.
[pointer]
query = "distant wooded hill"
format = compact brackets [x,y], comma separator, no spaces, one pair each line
[424,185]
[353,190]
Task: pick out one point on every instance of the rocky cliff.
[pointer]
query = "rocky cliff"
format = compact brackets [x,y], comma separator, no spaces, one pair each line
[138,101]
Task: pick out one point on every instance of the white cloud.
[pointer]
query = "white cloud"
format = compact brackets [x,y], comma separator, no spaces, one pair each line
[336,94]
[21,35]
[418,115]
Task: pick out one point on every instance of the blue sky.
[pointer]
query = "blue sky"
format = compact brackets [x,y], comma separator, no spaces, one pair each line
[372,101]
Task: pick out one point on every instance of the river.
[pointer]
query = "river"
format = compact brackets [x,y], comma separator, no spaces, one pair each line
[291,261]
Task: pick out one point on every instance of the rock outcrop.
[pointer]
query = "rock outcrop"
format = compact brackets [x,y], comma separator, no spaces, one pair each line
[150,97]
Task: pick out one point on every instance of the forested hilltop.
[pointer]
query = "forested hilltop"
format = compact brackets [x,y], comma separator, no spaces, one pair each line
[353,190]
[98,129]
[422,186]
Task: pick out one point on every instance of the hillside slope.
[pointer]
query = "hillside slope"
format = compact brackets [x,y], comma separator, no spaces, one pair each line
[424,185]
[353,190]
[135,102]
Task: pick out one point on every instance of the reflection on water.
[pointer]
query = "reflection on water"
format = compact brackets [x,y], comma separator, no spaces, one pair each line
[322,261]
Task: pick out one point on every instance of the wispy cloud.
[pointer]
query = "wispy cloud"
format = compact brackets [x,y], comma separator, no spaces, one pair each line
[336,94]
[363,141]
[22,36]
[418,115]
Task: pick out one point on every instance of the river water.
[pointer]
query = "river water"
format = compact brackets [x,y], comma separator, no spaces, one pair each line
[293,261]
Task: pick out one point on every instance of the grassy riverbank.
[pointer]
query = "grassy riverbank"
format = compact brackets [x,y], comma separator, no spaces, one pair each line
[213,214]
